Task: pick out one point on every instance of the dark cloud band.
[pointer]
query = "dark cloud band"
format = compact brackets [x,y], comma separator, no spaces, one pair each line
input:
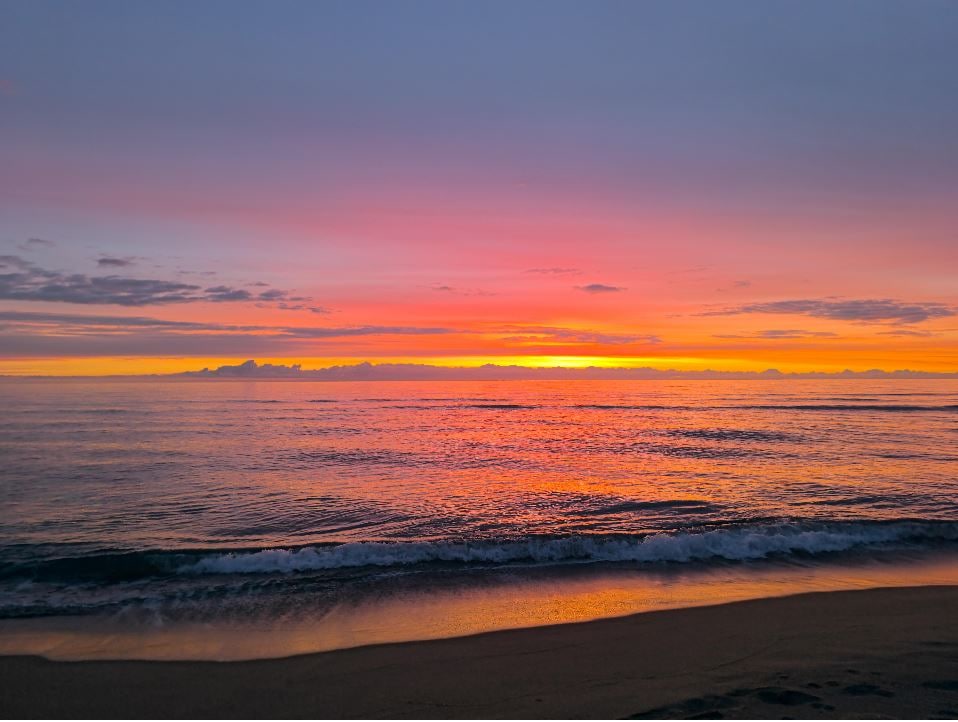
[21,280]
[882,310]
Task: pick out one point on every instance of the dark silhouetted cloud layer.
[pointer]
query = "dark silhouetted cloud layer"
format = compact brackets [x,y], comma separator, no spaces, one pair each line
[882,310]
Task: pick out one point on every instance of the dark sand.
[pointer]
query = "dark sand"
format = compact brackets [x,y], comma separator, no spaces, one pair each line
[859,654]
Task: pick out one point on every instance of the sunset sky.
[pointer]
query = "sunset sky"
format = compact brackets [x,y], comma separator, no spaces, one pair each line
[734,185]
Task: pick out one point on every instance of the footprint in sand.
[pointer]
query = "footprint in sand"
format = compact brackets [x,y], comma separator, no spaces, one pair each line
[712,706]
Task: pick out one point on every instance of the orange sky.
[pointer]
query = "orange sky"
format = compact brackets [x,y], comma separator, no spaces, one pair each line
[609,185]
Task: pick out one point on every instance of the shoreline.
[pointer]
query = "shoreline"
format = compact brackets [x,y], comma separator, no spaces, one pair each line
[458,607]
[876,652]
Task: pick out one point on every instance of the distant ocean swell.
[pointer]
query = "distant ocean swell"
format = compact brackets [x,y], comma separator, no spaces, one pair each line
[868,407]
[850,404]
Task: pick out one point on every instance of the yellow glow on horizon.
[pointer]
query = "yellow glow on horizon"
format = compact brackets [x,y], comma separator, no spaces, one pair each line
[123,366]
[131,366]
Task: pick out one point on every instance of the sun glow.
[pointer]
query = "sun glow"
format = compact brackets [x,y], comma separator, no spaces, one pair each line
[142,366]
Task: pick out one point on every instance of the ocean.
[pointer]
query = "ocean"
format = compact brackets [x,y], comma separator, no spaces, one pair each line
[234,519]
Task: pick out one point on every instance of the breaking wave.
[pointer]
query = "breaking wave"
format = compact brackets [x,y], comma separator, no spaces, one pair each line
[748,542]
[207,582]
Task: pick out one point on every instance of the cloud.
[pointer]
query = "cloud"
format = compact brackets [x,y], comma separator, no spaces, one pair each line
[113,262]
[907,332]
[29,282]
[533,334]
[28,333]
[220,294]
[27,323]
[286,301]
[488,372]
[691,270]
[735,285]
[96,324]
[555,271]
[251,369]
[314,332]
[443,288]
[32,244]
[777,333]
[273,294]
[600,288]
[81,321]
[882,310]
[21,280]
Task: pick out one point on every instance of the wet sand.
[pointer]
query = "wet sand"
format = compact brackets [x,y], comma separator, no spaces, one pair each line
[858,654]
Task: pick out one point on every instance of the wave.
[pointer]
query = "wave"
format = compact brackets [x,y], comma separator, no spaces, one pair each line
[731,434]
[676,407]
[641,407]
[685,506]
[742,543]
[434,403]
[501,406]
[854,407]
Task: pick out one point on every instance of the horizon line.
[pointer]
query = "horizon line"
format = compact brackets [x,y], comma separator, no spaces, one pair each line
[371,371]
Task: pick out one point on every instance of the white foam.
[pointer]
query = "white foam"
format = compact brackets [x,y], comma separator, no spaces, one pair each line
[741,543]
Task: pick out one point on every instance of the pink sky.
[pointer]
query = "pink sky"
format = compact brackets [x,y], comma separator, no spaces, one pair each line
[782,196]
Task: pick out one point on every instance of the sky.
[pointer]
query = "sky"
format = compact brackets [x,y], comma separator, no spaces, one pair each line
[678,184]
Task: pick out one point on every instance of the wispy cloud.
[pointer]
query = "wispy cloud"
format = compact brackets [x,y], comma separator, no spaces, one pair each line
[908,332]
[883,310]
[80,323]
[454,290]
[27,332]
[780,333]
[115,262]
[554,271]
[33,244]
[596,288]
[533,334]
[24,332]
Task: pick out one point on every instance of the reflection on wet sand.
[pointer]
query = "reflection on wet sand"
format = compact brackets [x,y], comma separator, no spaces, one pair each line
[504,602]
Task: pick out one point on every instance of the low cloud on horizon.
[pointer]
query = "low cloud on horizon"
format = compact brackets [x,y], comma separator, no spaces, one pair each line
[367,371]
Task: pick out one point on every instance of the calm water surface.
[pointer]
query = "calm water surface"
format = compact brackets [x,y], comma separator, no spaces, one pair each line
[278,504]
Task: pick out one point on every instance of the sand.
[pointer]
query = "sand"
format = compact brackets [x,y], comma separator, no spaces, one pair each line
[859,654]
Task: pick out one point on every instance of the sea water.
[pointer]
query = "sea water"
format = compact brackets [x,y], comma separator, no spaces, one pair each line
[234,519]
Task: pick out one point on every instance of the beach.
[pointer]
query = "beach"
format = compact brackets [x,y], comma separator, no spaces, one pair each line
[478,360]
[881,653]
